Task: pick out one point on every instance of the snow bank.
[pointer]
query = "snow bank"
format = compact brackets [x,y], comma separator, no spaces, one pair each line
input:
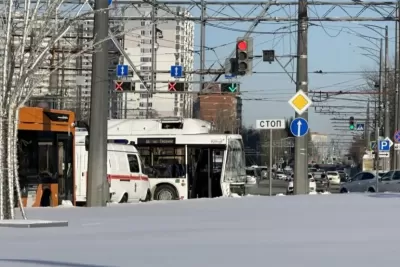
[66,204]
[199,233]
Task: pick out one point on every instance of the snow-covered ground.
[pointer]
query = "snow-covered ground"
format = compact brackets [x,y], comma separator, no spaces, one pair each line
[294,231]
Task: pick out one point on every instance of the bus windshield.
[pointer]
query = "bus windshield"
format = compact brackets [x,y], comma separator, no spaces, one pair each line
[235,170]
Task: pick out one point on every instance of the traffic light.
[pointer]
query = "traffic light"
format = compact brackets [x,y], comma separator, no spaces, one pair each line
[268,55]
[244,56]
[351,124]
[229,87]
[231,67]
[176,87]
[121,86]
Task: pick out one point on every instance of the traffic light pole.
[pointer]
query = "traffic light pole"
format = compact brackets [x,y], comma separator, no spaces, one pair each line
[386,165]
[301,183]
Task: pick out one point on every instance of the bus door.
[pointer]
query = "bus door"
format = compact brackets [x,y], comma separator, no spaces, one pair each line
[65,167]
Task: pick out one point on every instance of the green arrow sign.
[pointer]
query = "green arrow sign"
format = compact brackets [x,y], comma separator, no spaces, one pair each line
[232,87]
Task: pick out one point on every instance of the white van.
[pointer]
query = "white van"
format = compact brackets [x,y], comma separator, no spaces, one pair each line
[125,174]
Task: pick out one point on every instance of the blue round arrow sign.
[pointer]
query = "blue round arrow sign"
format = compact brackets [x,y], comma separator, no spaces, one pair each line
[299,127]
[110,2]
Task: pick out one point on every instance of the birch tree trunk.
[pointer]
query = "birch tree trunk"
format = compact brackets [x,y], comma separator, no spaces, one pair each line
[10,160]
[5,170]
[2,155]
[14,153]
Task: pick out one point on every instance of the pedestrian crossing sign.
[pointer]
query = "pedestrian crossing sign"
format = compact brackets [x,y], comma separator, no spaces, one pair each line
[360,127]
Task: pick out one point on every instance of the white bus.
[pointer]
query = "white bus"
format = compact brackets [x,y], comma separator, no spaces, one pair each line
[181,157]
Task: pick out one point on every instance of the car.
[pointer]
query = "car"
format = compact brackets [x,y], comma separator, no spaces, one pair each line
[321,181]
[334,177]
[280,175]
[364,181]
[312,185]
[343,176]
[251,176]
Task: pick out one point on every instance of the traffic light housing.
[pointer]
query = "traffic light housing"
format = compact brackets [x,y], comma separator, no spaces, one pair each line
[244,56]
[229,88]
[176,87]
[351,124]
[124,86]
[268,56]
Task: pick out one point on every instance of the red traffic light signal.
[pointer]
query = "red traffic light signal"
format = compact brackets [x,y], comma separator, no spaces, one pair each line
[242,45]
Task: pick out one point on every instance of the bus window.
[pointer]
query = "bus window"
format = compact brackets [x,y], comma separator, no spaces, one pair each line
[46,158]
[164,162]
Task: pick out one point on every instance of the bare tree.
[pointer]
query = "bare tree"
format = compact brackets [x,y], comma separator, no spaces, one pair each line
[29,30]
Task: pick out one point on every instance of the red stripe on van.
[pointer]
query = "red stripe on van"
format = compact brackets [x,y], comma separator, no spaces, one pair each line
[128,177]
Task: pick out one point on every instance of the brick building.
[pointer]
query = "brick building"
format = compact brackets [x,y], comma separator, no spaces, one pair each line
[223,110]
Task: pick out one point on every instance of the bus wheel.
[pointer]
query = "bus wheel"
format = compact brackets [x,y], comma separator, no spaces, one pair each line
[124,198]
[165,192]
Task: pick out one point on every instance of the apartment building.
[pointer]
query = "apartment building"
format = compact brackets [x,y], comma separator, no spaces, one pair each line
[174,46]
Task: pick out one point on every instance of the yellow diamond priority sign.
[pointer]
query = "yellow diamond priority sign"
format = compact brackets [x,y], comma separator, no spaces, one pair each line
[300,102]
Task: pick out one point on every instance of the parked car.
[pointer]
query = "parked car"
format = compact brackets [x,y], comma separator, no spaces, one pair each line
[311,183]
[334,177]
[321,181]
[343,176]
[361,182]
[389,182]
[280,175]
[252,176]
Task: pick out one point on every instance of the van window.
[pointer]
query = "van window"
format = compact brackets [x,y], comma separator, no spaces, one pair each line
[133,163]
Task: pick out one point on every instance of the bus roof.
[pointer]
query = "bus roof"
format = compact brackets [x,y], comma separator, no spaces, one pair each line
[40,119]
[158,126]
[170,139]
[178,139]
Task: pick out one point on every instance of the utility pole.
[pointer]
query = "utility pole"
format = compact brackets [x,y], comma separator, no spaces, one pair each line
[153,56]
[380,87]
[367,136]
[396,154]
[301,182]
[386,165]
[79,66]
[202,42]
[98,188]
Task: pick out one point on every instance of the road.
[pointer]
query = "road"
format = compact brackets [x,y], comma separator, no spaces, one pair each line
[278,187]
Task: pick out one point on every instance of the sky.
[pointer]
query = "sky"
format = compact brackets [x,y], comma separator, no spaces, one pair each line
[336,48]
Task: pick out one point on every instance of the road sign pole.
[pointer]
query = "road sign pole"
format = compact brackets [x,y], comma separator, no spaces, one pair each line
[377,156]
[301,182]
[270,162]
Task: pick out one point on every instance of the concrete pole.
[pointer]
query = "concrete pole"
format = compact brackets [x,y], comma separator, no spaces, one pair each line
[396,153]
[367,136]
[202,43]
[301,183]
[97,187]
[153,57]
[79,66]
[385,96]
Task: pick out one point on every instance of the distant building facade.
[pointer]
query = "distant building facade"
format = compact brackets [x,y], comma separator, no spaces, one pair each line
[174,46]
[320,147]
